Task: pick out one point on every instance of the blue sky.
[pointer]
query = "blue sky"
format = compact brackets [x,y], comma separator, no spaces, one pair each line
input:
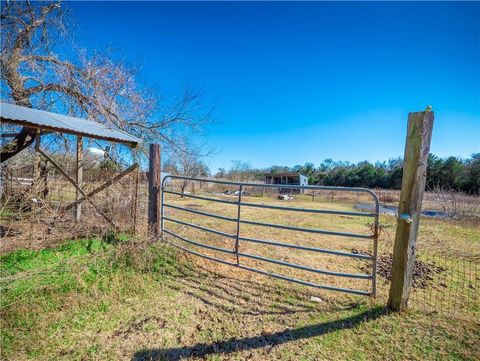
[301,82]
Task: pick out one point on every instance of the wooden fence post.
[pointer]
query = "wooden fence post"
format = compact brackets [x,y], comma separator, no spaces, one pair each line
[417,147]
[78,177]
[154,186]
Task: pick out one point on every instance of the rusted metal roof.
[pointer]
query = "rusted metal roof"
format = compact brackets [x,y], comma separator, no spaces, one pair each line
[15,114]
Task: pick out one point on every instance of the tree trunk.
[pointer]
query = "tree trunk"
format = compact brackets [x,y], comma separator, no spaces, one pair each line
[22,140]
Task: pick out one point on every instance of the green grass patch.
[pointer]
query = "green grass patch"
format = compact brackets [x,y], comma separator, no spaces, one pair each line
[71,287]
[119,298]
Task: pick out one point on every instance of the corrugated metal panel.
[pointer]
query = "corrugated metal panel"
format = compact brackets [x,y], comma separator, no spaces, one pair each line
[62,123]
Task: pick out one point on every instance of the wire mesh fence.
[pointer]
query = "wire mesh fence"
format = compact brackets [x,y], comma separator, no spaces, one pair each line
[446,273]
[39,212]
[449,286]
[445,280]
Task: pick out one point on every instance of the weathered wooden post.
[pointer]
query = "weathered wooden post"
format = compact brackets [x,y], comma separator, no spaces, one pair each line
[38,158]
[135,200]
[78,177]
[37,166]
[417,147]
[154,187]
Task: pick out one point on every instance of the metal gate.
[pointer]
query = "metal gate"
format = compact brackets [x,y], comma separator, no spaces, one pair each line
[238,238]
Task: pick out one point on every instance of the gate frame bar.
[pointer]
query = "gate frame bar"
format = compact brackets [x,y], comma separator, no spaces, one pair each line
[238,237]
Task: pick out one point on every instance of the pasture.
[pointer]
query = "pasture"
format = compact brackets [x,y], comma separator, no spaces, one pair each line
[126,298]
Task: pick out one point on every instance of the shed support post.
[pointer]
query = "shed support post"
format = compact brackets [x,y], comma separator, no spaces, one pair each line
[135,201]
[154,188]
[78,177]
[37,153]
[417,147]
[36,170]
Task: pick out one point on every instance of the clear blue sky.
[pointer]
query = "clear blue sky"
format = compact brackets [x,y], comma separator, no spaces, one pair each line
[298,82]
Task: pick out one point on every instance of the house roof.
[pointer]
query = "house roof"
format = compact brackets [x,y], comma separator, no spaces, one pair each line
[284,174]
[34,118]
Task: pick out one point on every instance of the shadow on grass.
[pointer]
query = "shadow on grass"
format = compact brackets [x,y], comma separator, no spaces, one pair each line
[234,294]
[255,342]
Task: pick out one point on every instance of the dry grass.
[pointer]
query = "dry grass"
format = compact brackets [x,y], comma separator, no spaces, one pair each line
[101,307]
[132,300]
[451,245]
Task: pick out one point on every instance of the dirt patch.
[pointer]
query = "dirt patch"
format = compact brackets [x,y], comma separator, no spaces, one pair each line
[423,272]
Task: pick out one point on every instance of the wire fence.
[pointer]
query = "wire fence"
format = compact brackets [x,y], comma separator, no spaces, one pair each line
[446,277]
[40,213]
[448,286]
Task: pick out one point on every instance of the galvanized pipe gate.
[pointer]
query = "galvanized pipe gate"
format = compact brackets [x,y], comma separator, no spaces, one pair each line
[237,237]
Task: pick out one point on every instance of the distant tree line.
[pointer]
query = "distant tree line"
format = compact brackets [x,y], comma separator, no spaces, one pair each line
[447,173]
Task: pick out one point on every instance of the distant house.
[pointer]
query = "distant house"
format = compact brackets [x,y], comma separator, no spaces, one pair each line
[287,178]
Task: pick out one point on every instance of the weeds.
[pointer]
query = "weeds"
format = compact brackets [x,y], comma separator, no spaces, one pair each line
[92,271]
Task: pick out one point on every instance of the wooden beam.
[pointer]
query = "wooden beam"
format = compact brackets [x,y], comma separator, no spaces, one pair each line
[78,177]
[417,147]
[154,186]
[104,186]
[72,181]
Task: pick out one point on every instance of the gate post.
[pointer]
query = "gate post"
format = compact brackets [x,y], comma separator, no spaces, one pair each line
[417,147]
[154,186]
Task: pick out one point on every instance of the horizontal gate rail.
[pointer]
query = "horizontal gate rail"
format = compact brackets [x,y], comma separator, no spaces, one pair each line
[199,244]
[276,275]
[305,248]
[220,233]
[310,284]
[260,258]
[323,211]
[257,205]
[305,268]
[309,230]
[291,228]
[201,213]
[271,243]
[201,254]
[283,186]
[202,198]
[238,237]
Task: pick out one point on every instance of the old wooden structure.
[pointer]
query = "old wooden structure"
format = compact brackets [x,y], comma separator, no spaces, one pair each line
[46,122]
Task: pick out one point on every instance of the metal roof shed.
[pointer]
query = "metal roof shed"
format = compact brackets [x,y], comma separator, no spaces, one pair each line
[39,119]
[52,122]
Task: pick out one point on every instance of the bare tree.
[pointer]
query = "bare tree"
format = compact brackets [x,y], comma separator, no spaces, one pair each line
[34,74]
[187,162]
[241,171]
[455,205]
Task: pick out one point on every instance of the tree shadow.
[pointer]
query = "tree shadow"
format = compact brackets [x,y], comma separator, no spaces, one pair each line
[255,342]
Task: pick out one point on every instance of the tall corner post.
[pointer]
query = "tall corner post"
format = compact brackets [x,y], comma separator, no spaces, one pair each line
[154,189]
[78,177]
[417,148]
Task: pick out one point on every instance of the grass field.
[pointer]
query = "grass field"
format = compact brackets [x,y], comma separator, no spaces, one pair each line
[125,299]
